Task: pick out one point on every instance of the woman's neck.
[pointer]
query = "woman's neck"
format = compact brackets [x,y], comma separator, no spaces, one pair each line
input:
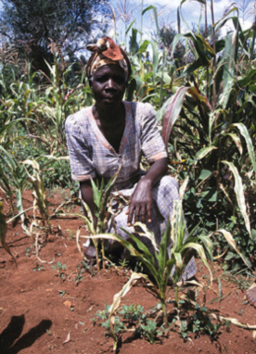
[109,117]
[111,124]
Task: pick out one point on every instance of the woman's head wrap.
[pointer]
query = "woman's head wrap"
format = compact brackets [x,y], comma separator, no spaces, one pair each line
[106,52]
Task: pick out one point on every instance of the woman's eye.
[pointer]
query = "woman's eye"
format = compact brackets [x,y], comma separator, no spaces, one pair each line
[101,79]
[119,79]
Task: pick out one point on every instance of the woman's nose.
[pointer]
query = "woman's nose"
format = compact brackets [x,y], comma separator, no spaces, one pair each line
[111,84]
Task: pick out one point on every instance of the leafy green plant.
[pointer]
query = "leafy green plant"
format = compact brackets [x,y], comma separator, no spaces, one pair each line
[213,143]
[201,323]
[132,313]
[105,322]
[150,330]
[129,317]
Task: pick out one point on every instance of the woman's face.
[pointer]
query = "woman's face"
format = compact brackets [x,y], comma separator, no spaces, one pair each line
[108,85]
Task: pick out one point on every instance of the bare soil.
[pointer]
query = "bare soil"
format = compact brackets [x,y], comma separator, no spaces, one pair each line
[43,310]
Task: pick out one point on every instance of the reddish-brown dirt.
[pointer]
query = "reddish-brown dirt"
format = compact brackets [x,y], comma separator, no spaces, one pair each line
[40,310]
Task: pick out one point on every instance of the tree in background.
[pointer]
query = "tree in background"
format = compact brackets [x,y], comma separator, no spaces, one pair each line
[32,24]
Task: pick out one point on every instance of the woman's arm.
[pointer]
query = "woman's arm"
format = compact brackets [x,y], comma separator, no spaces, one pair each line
[87,196]
[141,201]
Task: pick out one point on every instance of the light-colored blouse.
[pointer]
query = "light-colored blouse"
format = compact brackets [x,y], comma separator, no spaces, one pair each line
[92,156]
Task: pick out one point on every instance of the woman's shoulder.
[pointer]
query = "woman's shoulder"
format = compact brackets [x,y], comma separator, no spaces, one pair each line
[138,104]
[79,117]
[140,108]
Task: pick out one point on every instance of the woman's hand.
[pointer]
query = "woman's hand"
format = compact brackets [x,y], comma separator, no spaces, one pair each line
[141,201]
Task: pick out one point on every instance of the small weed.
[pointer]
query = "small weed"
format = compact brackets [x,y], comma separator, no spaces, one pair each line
[60,268]
[38,267]
[85,265]
[78,277]
[149,330]
[123,263]
[28,250]
[62,292]
[103,317]
[101,314]
[132,313]
[183,329]
[71,234]
[131,316]
[199,324]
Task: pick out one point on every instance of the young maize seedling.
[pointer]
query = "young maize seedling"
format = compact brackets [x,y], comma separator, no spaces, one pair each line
[40,201]
[171,261]
[103,212]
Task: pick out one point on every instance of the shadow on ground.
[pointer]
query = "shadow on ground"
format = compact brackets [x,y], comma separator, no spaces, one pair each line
[10,340]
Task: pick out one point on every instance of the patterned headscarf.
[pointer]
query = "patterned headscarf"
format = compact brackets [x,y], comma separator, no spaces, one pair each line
[105,52]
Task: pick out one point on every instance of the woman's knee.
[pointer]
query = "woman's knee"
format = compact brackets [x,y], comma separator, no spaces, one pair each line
[168,184]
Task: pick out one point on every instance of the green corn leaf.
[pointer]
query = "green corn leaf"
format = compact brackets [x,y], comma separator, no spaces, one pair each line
[228,68]
[183,188]
[104,197]
[200,251]
[175,227]
[236,140]
[208,245]
[156,58]
[175,42]
[224,19]
[162,256]
[202,47]
[133,41]
[8,159]
[89,221]
[229,238]
[154,9]
[145,257]
[203,152]
[96,194]
[144,46]
[248,79]
[172,112]
[148,234]
[9,125]
[240,195]
[141,246]
[244,131]
[178,261]
[129,27]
